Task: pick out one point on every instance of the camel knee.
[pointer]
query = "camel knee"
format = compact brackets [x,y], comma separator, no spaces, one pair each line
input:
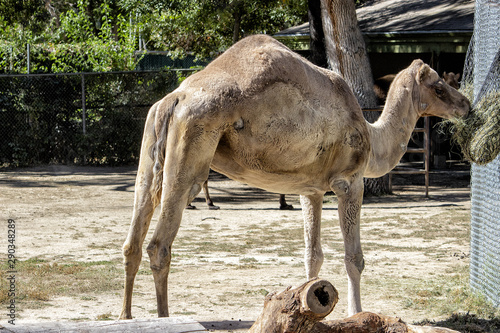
[354,263]
[132,258]
[129,250]
[159,257]
[131,253]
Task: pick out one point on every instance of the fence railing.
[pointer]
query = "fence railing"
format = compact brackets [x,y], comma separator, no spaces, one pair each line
[80,118]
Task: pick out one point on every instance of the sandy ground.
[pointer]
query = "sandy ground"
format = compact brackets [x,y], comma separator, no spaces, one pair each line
[225,261]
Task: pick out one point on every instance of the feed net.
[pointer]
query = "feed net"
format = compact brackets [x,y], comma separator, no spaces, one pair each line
[479,137]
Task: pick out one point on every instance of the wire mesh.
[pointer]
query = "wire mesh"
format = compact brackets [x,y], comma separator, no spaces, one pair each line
[84,118]
[482,71]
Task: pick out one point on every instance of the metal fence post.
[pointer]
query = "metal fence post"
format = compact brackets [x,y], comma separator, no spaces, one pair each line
[84,125]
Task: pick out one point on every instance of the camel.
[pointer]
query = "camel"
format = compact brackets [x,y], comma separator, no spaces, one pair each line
[265,116]
[210,203]
[208,200]
[381,87]
[452,79]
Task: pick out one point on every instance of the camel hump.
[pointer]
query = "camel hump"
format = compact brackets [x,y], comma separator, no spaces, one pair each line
[255,63]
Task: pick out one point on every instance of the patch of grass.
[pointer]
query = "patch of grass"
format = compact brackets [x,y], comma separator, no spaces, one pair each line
[261,292]
[249,260]
[42,281]
[258,237]
[450,293]
[78,235]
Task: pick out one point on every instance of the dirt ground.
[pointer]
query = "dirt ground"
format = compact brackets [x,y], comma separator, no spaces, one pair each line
[225,261]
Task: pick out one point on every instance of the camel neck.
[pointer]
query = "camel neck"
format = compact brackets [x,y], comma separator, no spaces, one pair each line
[390,134]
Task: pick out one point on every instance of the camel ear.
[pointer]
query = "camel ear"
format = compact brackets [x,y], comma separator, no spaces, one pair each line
[423,72]
[457,76]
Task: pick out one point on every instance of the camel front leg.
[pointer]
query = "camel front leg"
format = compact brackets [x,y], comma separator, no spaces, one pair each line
[350,197]
[311,210]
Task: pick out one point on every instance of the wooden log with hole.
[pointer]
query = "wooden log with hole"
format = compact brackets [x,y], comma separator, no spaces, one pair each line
[301,310]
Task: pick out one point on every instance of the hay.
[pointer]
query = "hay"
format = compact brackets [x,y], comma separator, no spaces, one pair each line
[479,133]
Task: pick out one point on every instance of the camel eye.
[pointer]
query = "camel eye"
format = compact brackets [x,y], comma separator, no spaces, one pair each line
[438,91]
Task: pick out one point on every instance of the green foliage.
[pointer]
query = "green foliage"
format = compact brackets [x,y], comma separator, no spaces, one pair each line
[206,28]
[30,14]
[91,35]
[85,38]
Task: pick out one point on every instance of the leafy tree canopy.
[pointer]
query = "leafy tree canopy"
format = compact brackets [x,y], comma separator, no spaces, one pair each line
[92,35]
[208,27]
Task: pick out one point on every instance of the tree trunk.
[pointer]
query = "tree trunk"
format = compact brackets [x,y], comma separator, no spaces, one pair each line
[317,36]
[345,49]
[347,56]
[237,13]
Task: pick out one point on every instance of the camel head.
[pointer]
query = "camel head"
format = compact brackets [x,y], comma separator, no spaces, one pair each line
[434,97]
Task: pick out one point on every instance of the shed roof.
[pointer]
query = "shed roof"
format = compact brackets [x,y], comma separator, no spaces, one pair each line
[416,15]
[407,16]
[405,26]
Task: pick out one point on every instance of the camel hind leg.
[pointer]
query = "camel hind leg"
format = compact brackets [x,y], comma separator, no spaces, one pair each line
[187,164]
[141,217]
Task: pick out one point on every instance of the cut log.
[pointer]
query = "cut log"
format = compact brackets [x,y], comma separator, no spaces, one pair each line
[367,322]
[363,322]
[301,310]
[296,310]
[164,325]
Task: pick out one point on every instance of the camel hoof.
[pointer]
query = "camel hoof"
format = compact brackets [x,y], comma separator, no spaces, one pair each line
[213,207]
[190,207]
[286,207]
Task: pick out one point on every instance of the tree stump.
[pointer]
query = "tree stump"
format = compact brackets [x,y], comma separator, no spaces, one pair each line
[301,310]
[296,310]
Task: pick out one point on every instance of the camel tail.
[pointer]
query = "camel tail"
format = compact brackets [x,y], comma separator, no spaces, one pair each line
[164,111]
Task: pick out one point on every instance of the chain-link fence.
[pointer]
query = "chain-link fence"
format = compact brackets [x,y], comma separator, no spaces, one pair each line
[84,118]
[482,73]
